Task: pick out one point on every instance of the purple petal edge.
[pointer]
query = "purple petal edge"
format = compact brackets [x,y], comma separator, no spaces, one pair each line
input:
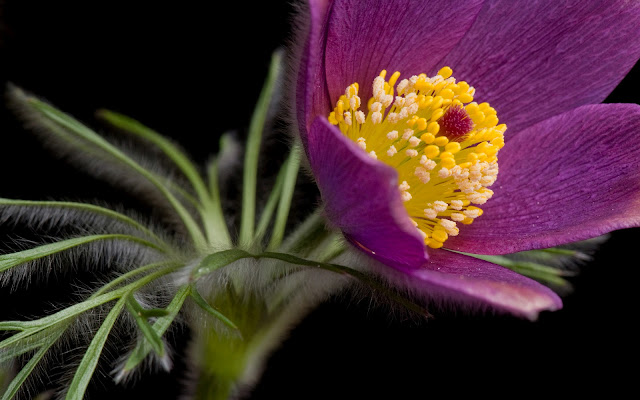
[361,197]
[311,93]
[450,277]
[572,177]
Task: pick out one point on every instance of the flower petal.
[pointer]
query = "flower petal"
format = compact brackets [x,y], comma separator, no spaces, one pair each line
[572,177]
[452,276]
[361,197]
[311,94]
[365,37]
[535,59]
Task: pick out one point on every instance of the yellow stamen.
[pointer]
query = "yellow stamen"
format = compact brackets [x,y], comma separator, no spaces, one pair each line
[443,145]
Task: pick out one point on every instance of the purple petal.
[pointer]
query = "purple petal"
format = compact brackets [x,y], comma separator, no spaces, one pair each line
[361,197]
[535,59]
[365,37]
[311,94]
[572,177]
[477,283]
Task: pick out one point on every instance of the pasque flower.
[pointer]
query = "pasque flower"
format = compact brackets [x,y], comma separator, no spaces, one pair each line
[415,163]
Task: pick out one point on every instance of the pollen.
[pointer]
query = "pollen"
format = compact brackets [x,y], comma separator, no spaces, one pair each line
[443,145]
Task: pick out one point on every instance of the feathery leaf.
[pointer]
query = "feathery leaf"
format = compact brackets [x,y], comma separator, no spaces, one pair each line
[90,359]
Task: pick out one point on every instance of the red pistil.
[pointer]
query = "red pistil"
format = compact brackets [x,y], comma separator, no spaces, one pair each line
[455,124]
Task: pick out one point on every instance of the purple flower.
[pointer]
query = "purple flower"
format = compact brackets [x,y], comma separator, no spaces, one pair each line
[569,168]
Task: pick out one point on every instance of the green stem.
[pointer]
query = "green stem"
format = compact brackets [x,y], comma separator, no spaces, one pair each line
[218,387]
[222,259]
[215,216]
[254,139]
[288,187]
[270,206]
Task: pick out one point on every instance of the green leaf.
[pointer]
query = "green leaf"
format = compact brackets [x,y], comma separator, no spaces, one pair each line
[74,127]
[13,326]
[154,312]
[557,250]
[218,260]
[530,269]
[272,202]
[200,301]
[160,326]
[291,174]
[30,343]
[32,327]
[20,348]
[142,269]
[307,236]
[13,259]
[253,150]
[22,375]
[215,216]
[90,359]
[136,311]
[84,207]
[180,159]
[333,246]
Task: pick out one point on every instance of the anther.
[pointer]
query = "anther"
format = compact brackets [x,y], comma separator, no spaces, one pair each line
[449,145]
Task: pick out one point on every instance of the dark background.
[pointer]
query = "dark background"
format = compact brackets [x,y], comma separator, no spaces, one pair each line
[193,73]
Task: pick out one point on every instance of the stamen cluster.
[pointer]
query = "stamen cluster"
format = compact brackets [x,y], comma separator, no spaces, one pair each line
[443,145]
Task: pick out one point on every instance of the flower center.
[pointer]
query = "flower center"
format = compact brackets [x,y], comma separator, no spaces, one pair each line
[443,145]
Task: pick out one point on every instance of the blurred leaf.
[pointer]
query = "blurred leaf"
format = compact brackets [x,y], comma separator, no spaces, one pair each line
[291,174]
[154,312]
[362,277]
[530,269]
[200,301]
[272,201]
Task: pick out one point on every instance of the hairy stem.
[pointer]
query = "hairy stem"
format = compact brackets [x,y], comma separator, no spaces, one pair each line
[252,151]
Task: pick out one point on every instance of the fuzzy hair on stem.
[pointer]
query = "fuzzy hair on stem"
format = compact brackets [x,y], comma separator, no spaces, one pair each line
[104,166]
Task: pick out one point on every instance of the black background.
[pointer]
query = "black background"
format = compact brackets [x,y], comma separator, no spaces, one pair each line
[193,73]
